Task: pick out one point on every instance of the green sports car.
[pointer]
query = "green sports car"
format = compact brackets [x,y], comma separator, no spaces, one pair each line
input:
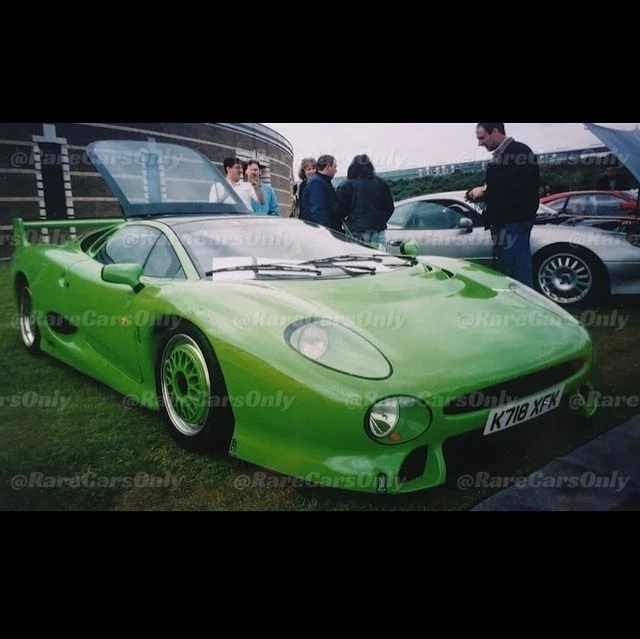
[282,342]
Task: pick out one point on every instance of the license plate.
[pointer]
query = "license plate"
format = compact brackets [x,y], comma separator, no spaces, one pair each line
[523,410]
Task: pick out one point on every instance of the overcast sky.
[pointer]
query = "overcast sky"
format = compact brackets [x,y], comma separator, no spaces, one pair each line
[409,145]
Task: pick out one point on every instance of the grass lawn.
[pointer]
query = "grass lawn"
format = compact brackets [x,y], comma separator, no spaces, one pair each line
[81,448]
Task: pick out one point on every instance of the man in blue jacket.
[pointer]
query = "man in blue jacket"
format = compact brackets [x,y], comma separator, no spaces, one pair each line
[320,199]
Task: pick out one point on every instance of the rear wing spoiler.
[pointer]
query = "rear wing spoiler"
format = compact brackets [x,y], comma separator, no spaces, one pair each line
[22,227]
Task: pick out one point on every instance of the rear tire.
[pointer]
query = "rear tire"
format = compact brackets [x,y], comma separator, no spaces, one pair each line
[29,331]
[191,391]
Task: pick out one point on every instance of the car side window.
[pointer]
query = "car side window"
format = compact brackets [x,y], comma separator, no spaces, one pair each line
[430,216]
[130,245]
[402,214]
[473,212]
[163,261]
[608,205]
[580,205]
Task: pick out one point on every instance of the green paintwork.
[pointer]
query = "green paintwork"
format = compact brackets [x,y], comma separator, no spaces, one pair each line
[128,274]
[338,374]
[309,420]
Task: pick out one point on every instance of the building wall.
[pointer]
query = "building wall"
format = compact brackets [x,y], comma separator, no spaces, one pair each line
[45,172]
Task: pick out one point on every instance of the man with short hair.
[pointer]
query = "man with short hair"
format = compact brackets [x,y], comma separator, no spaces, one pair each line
[320,199]
[511,194]
[247,191]
[270,206]
[611,180]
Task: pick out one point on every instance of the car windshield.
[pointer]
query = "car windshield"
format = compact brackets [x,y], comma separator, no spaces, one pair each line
[215,244]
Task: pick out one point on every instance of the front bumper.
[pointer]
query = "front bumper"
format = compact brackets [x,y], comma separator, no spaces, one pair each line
[314,457]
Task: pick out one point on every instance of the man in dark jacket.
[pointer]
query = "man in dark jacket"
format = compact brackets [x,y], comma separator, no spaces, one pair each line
[319,198]
[365,202]
[511,194]
[611,180]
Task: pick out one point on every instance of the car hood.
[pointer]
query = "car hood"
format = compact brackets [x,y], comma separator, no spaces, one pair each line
[455,318]
[625,145]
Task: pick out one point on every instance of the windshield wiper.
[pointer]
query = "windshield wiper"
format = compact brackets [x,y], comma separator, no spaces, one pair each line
[264,267]
[359,257]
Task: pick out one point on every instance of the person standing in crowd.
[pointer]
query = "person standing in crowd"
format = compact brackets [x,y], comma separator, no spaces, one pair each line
[365,202]
[612,180]
[307,169]
[234,173]
[511,195]
[270,206]
[319,199]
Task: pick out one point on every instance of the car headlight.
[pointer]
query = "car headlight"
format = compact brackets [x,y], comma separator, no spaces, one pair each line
[397,420]
[335,346]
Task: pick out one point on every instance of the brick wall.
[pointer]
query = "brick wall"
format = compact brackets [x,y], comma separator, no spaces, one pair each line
[59,147]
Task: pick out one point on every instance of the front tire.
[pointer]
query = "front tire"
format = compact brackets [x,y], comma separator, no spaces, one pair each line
[29,331]
[191,391]
[570,276]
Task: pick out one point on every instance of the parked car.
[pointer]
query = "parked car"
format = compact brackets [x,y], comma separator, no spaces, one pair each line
[594,203]
[455,198]
[571,266]
[284,343]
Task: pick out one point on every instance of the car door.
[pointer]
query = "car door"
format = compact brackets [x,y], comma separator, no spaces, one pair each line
[440,230]
[102,312]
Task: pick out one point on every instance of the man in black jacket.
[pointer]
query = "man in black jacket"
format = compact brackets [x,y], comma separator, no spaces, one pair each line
[511,193]
[611,180]
[365,202]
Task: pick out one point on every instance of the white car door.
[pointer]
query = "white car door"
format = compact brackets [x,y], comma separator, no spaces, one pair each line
[439,230]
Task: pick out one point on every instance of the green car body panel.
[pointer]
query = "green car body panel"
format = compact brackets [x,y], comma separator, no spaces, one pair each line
[432,331]
[314,426]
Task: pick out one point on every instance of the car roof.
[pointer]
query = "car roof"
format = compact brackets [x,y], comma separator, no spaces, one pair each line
[453,195]
[556,196]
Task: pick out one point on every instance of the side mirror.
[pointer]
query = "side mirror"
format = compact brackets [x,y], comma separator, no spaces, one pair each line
[128,274]
[410,248]
[466,224]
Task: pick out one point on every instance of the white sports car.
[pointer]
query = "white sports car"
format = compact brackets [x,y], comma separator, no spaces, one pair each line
[574,263]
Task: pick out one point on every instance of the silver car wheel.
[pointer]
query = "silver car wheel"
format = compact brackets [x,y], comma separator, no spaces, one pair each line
[27,321]
[565,278]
